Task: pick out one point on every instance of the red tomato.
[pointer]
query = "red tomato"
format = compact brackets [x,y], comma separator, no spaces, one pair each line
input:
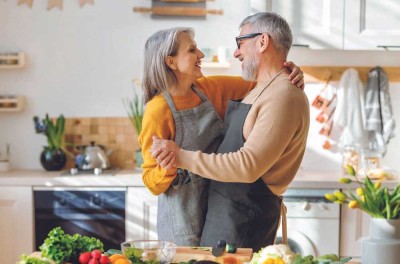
[104,260]
[230,260]
[96,254]
[93,261]
[84,257]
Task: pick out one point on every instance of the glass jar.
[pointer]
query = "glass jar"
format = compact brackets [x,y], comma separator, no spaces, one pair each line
[350,157]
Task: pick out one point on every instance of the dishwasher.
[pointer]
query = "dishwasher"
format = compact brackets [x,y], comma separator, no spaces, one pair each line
[95,212]
[313,222]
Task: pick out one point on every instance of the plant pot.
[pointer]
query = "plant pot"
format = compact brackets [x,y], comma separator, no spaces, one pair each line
[383,243]
[53,160]
[138,158]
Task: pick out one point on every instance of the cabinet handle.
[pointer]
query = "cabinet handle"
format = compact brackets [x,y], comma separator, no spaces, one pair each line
[387,47]
[301,45]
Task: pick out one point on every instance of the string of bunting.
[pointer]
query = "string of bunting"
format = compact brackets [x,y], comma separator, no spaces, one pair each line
[55,3]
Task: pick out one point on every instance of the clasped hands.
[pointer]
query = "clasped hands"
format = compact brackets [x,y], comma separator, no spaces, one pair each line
[165,152]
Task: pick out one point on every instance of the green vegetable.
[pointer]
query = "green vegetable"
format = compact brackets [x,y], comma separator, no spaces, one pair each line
[61,247]
[112,252]
[230,248]
[31,260]
[332,257]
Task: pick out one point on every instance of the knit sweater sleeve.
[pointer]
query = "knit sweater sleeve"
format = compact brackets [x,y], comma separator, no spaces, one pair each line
[274,123]
[157,120]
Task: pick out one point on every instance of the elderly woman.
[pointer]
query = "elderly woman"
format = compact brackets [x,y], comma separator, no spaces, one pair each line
[187,108]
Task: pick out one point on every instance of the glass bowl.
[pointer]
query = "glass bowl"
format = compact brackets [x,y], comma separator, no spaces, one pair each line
[150,251]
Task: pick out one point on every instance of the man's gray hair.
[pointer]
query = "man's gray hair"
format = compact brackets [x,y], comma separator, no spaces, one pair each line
[272,24]
[157,76]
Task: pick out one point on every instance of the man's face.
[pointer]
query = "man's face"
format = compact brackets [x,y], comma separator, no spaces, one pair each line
[247,54]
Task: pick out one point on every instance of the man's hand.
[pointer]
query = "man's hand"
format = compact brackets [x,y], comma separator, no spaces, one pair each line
[296,74]
[165,152]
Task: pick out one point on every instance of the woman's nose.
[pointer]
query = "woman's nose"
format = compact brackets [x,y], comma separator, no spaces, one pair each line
[201,54]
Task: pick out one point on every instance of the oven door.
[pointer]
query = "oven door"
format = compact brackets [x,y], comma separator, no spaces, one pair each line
[98,213]
[298,242]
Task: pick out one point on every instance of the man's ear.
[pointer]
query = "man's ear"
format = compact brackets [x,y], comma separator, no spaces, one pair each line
[265,40]
[171,63]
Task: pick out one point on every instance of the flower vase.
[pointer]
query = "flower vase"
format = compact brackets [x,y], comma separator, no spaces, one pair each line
[138,158]
[53,160]
[383,243]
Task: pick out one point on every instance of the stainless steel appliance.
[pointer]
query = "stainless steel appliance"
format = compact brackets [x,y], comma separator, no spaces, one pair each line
[96,212]
[313,222]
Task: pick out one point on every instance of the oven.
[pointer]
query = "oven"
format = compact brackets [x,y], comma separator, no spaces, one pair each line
[96,212]
[313,222]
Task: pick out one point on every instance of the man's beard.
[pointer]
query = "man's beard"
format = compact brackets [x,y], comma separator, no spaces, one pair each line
[250,66]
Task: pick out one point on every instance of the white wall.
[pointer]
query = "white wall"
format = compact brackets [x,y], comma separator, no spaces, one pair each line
[81,62]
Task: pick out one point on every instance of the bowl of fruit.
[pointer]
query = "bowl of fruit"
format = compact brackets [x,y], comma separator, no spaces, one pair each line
[149,251]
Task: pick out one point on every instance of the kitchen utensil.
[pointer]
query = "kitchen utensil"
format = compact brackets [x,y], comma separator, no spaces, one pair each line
[178,11]
[149,250]
[92,157]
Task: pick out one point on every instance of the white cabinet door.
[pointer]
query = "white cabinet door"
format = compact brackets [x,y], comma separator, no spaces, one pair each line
[372,23]
[315,23]
[354,225]
[16,223]
[141,214]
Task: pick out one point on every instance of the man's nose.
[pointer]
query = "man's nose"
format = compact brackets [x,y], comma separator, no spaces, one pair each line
[236,53]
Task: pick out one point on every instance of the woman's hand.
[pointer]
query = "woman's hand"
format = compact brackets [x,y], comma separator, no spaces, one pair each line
[165,152]
[296,74]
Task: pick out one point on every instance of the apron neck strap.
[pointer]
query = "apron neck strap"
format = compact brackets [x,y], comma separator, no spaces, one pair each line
[171,104]
[268,84]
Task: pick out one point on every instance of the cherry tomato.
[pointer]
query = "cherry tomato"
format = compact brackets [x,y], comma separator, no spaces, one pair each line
[105,260]
[93,261]
[84,257]
[96,254]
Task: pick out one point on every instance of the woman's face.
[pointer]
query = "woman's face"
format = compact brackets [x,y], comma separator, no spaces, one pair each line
[188,58]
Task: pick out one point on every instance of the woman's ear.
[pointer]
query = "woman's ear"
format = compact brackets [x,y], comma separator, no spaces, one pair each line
[169,60]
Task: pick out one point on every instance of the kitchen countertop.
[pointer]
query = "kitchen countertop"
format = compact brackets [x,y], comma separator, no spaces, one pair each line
[132,178]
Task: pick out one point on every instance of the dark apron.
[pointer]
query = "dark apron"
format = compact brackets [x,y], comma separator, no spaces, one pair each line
[182,208]
[243,214]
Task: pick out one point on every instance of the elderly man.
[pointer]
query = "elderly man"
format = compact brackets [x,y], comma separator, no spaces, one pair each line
[264,141]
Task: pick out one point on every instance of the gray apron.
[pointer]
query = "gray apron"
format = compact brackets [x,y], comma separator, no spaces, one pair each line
[243,214]
[182,208]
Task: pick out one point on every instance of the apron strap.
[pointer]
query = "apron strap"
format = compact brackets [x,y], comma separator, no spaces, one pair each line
[284,224]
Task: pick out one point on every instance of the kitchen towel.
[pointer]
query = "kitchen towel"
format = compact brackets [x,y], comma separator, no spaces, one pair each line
[349,117]
[378,107]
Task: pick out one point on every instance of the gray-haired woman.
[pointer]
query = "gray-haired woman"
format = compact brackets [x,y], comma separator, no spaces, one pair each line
[186,107]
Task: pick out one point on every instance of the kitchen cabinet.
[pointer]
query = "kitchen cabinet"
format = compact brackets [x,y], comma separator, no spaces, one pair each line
[354,225]
[339,24]
[315,24]
[16,222]
[371,24]
[141,214]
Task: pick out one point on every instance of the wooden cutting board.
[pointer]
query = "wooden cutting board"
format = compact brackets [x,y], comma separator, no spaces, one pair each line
[184,254]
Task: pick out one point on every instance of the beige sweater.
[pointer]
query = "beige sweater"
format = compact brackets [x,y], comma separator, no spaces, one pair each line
[275,133]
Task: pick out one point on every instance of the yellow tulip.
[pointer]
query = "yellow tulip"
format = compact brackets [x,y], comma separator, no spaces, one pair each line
[377,185]
[341,196]
[330,197]
[360,191]
[353,204]
[362,198]
[345,180]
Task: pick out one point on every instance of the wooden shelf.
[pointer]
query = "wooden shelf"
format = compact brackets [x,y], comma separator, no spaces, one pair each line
[12,60]
[11,103]
[208,65]
[323,73]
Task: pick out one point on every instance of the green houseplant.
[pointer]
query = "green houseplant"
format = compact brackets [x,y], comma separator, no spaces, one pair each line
[135,109]
[383,205]
[53,156]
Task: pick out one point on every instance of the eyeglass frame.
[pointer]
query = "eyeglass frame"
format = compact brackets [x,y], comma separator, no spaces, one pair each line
[247,36]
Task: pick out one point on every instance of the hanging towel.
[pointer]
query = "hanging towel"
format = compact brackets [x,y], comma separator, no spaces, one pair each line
[349,117]
[378,107]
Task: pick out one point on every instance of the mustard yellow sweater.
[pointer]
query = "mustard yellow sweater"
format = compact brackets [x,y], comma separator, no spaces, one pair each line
[275,131]
[158,120]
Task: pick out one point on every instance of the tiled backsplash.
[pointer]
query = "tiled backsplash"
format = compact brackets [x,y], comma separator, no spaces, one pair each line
[116,134]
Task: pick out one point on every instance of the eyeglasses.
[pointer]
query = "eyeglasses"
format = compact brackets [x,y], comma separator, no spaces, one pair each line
[247,36]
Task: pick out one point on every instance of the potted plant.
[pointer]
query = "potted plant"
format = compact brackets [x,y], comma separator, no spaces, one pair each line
[135,108]
[53,156]
[383,205]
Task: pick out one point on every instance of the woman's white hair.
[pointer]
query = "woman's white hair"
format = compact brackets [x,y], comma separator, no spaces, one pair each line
[274,25]
[157,76]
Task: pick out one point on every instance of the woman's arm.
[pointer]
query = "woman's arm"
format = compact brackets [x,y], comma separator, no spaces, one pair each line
[157,120]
